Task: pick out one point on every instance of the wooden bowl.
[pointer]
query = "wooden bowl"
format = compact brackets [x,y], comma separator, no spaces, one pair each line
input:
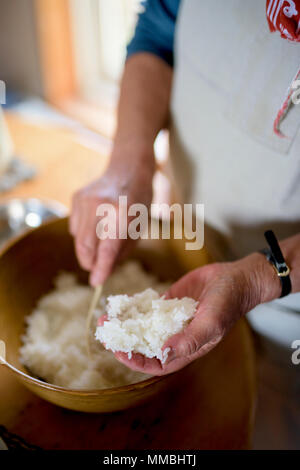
[28,266]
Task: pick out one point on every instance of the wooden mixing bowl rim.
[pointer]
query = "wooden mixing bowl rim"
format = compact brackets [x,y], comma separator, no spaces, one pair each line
[93,392]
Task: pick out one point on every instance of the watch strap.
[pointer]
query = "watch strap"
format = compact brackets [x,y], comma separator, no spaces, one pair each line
[275,257]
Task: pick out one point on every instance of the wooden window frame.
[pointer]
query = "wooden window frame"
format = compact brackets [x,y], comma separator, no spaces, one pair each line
[54,35]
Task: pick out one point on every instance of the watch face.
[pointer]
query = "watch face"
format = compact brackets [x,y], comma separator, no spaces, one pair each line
[2,445]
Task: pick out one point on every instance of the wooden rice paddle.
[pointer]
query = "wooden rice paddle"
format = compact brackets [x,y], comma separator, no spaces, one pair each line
[96,297]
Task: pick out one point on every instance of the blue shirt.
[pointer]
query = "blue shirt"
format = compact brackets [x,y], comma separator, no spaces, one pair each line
[155,29]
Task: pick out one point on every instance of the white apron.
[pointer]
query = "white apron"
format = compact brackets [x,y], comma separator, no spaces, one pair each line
[231,76]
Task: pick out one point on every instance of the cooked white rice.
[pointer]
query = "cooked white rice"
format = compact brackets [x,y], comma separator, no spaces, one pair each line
[143,322]
[54,346]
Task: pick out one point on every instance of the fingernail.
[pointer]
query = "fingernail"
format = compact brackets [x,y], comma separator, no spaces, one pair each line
[94,280]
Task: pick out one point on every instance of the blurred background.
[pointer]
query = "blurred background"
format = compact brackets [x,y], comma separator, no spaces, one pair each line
[61,63]
[68,52]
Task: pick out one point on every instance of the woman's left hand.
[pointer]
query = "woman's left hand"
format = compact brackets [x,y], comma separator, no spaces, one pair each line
[225,292]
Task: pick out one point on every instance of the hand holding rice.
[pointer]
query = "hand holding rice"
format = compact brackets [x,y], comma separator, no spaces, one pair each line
[143,322]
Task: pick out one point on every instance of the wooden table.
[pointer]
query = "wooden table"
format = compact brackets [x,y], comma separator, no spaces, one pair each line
[63,165]
[214,406]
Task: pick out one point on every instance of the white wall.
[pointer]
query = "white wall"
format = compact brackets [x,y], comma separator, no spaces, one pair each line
[19,59]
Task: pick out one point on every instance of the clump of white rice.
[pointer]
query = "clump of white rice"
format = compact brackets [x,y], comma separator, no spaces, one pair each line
[143,322]
[54,346]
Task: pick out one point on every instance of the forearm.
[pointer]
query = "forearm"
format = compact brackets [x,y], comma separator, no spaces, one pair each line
[143,105]
[143,111]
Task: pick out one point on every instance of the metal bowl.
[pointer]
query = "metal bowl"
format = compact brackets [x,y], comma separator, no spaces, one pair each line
[19,215]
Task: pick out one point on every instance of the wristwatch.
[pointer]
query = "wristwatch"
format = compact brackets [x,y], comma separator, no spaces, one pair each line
[275,257]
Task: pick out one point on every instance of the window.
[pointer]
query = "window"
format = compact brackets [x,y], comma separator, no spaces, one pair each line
[101,29]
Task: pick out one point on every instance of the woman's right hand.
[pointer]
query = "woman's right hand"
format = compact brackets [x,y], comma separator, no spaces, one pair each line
[129,174]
